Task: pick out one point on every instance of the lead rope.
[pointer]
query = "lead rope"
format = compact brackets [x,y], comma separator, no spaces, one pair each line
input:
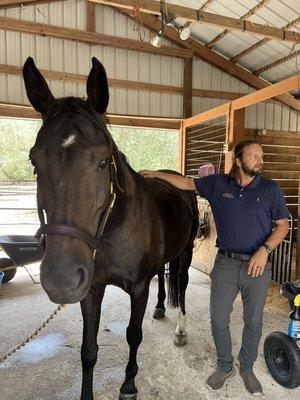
[36,333]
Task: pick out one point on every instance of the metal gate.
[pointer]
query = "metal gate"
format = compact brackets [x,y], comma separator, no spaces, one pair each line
[282,257]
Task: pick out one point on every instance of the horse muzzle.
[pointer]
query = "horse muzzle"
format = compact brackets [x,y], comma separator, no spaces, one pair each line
[65,284]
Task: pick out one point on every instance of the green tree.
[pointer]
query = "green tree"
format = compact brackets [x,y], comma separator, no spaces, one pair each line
[16,138]
[144,148]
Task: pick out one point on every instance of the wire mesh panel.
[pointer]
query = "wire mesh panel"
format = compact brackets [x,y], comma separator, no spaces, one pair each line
[282,257]
[205,145]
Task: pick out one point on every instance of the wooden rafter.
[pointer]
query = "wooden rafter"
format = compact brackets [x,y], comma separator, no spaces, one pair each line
[244,17]
[205,5]
[217,60]
[263,41]
[277,62]
[188,14]
[124,84]
[17,25]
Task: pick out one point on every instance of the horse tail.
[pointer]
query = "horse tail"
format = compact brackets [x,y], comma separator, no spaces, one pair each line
[173,283]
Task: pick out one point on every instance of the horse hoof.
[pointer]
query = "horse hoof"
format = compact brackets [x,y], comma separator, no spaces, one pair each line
[159,313]
[124,396]
[180,340]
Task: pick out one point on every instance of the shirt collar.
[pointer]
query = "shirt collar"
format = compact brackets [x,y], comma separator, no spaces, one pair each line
[254,184]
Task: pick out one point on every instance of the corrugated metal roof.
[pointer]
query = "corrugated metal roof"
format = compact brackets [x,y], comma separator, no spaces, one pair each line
[275,13]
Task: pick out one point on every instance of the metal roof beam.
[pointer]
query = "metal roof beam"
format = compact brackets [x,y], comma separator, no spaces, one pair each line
[248,14]
[263,41]
[277,62]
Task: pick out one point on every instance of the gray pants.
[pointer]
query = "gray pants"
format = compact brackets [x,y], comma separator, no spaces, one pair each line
[228,277]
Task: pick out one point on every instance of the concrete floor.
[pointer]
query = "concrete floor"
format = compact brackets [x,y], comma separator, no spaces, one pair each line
[48,368]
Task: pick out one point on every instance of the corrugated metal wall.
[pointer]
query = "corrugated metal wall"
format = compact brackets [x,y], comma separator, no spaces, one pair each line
[67,56]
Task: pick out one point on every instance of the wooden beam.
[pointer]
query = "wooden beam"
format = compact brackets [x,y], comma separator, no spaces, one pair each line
[187,88]
[90,16]
[6,4]
[17,25]
[207,115]
[247,15]
[189,14]
[245,101]
[152,87]
[182,150]
[27,112]
[267,93]
[217,60]
[235,133]
[277,134]
[255,46]
[277,62]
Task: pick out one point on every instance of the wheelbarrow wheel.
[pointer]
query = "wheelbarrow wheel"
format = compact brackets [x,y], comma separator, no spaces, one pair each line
[10,273]
[282,356]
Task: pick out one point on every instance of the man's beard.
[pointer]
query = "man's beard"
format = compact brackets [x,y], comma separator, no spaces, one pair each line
[250,172]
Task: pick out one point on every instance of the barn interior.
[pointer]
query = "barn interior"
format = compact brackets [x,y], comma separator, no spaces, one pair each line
[212,73]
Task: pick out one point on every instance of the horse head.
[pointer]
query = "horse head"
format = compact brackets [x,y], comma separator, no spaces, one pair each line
[73,161]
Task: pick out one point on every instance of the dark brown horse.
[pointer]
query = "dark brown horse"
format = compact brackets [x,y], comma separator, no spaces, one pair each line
[102,222]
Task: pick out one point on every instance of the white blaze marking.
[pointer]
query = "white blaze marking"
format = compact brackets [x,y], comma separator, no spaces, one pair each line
[180,328]
[70,140]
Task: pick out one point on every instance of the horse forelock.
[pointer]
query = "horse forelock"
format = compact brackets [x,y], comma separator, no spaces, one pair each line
[72,121]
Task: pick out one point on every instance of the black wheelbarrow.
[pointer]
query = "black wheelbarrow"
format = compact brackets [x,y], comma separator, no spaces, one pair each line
[21,250]
[282,354]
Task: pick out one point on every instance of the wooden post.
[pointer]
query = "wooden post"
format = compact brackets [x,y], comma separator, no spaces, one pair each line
[235,132]
[90,16]
[187,87]
[298,237]
[182,148]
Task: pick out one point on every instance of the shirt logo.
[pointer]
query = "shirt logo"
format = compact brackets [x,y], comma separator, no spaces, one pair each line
[228,195]
[257,199]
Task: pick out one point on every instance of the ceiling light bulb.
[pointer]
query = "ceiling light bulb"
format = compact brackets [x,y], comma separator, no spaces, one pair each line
[184,33]
[156,40]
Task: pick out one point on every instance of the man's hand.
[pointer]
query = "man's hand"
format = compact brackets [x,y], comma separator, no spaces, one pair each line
[147,173]
[257,262]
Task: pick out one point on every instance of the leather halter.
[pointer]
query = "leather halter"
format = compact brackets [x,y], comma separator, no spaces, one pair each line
[73,230]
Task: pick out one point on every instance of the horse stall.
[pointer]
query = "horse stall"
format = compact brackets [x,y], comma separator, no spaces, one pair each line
[211,73]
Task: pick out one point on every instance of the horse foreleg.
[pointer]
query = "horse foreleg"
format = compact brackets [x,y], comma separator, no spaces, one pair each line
[180,331]
[90,309]
[160,310]
[134,337]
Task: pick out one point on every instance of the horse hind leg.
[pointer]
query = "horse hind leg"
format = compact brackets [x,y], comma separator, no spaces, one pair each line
[185,259]
[160,310]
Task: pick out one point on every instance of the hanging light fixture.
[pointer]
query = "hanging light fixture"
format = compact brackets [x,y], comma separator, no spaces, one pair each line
[156,40]
[168,19]
[184,31]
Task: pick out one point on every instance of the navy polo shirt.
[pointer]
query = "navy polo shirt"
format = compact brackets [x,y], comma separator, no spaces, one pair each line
[243,215]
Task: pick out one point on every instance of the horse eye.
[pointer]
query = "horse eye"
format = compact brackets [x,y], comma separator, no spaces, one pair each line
[102,164]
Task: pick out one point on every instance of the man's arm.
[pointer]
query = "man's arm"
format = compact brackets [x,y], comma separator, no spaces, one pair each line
[181,182]
[259,259]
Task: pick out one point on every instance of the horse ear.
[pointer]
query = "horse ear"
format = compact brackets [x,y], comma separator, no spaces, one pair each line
[37,89]
[97,87]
